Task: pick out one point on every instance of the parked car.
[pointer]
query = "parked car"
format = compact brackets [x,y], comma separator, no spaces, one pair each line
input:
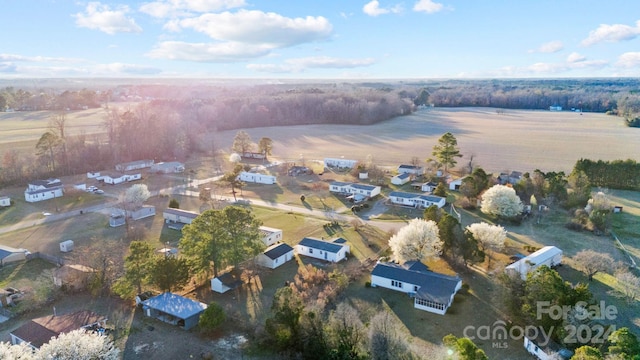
[98,191]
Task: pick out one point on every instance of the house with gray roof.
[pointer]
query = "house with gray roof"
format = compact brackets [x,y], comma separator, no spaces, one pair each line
[401,179]
[416,200]
[334,251]
[431,291]
[274,256]
[354,188]
[40,190]
[410,169]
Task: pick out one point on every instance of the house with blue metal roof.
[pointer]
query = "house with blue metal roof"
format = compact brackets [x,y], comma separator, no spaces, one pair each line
[275,255]
[174,309]
[334,250]
[416,200]
[401,179]
[431,291]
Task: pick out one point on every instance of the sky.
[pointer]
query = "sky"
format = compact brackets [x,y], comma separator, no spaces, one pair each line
[320,39]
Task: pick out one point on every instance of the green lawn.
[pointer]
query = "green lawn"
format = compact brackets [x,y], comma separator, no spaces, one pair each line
[21,275]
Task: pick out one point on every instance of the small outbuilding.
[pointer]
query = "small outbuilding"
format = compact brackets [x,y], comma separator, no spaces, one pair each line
[9,255]
[270,235]
[5,201]
[72,276]
[275,256]
[225,282]
[174,309]
[401,179]
[333,251]
[66,246]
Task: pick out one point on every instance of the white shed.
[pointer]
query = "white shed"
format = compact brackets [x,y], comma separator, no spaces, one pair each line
[270,235]
[275,256]
[550,256]
[225,282]
[66,246]
[5,201]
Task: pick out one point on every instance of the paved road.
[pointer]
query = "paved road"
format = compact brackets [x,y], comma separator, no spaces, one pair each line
[184,190]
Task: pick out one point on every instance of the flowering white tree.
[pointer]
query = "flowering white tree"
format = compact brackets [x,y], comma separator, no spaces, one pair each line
[135,196]
[418,240]
[490,237]
[74,345]
[79,345]
[501,201]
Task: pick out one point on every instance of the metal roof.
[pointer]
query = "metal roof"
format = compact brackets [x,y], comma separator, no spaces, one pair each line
[277,251]
[176,305]
[320,245]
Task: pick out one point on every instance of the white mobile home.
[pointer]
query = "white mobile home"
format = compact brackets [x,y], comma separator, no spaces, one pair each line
[167,167]
[115,179]
[429,186]
[270,235]
[339,163]
[431,291]
[40,190]
[550,256]
[178,216]
[9,254]
[416,200]
[93,175]
[250,177]
[410,169]
[333,251]
[275,256]
[546,349]
[354,188]
[134,165]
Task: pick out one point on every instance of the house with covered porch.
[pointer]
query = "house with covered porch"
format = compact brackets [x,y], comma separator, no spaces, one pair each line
[354,188]
[174,309]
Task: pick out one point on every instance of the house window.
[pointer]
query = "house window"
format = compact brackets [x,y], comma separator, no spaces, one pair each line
[276,260]
[415,288]
[397,284]
[430,304]
[320,252]
[310,251]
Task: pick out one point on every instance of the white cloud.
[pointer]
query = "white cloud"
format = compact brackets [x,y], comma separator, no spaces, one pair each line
[550,47]
[314,62]
[575,57]
[208,52]
[373,8]
[257,27]
[128,69]
[15,57]
[612,33]
[629,60]
[427,6]
[177,8]
[100,17]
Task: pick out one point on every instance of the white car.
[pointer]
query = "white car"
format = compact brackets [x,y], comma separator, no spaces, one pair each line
[92,189]
[98,191]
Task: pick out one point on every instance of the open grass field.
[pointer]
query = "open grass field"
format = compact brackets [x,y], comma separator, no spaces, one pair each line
[514,140]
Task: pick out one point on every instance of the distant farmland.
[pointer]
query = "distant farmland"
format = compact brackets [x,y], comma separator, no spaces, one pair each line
[513,140]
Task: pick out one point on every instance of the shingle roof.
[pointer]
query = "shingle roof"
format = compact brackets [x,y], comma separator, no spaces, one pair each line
[40,330]
[176,305]
[433,286]
[229,280]
[277,251]
[320,245]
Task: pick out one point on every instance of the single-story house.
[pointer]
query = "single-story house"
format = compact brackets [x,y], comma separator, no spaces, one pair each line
[93,174]
[9,254]
[333,251]
[548,255]
[40,190]
[416,200]
[253,155]
[80,186]
[72,276]
[39,331]
[429,186]
[354,188]
[225,282]
[117,218]
[549,351]
[401,179]
[119,178]
[555,107]
[454,184]
[5,201]
[275,256]
[270,235]
[431,291]
[174,309]
[177,218]
[339,163]
[511,178]
[257,178]
[410,169]
[167,167]
[134,165]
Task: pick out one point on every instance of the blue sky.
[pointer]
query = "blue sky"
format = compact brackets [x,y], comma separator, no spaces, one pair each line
[320,39]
